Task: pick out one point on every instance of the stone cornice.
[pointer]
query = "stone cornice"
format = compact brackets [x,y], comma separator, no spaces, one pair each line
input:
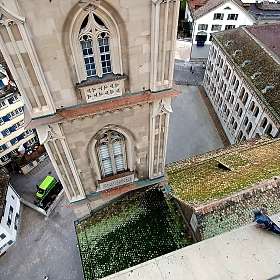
[102,106]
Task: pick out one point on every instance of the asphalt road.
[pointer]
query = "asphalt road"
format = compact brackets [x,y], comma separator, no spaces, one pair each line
[44,247]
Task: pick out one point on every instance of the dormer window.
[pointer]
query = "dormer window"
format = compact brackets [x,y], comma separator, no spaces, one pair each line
[246,62]
[95,46]
[267,89]
[255,75]
[236,52]
[228,43]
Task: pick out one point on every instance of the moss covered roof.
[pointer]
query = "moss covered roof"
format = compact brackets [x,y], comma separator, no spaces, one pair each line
[137,227]
[219,174]
[260,61]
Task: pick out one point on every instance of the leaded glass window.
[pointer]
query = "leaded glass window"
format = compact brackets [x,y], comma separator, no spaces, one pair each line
[105,56]
[95,46]
[87,48]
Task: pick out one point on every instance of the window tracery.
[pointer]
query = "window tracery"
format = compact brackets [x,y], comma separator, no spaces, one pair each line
[94,38]
[111,150]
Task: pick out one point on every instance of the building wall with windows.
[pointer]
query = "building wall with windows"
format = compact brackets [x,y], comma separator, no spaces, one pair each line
[12,131]
[10,217]
[242,110]
[228,15]
[97,80]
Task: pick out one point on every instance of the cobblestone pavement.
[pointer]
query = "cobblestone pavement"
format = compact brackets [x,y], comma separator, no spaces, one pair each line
[44,247]
[188,73]
[192,130]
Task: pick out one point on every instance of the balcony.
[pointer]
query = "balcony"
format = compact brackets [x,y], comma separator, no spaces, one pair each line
[97,89]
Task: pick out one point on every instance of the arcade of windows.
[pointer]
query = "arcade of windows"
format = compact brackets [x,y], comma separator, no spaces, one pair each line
[94,39]
[239,115]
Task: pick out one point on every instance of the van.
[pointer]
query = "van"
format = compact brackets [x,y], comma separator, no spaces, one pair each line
[45,187]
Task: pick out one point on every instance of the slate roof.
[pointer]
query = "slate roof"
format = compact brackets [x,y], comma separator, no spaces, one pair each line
[261,59]
[4,180]
[261,11]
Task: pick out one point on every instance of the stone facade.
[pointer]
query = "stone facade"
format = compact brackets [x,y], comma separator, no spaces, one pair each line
[244,110]
[90,70]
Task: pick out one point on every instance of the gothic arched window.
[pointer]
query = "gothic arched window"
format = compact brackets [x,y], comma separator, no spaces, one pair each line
[94,38]
[111,150]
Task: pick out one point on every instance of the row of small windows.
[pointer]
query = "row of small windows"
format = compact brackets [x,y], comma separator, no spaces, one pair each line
[15,140]
[244,98]
[10,218]
[13,128]
[11,115]
[7,101]
[214,27]
[28,144]
[220,16]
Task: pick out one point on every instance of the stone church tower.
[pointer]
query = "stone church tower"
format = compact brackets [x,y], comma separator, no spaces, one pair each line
[96,77]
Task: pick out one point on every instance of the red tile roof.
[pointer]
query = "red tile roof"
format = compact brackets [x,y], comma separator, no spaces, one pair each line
[269,35]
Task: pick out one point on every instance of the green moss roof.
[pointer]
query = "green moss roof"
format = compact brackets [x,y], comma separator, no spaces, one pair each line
[134,229]
[200,180]
[261,61]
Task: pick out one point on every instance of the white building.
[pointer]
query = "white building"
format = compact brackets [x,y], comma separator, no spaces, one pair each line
[12,132]
[9,213]
[242,81]
[214,16]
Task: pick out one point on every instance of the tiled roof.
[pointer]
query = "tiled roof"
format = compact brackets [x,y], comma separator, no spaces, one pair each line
[264,12]
[210,5]
[261,61]
[218,174]
[269,35]
[4,180]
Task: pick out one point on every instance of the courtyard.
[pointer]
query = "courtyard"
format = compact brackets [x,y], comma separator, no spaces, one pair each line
[192,130]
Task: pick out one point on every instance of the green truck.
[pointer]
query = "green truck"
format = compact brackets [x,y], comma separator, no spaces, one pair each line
[45,187]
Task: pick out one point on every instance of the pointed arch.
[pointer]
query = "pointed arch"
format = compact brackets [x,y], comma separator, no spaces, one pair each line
[111,26]
[128,147]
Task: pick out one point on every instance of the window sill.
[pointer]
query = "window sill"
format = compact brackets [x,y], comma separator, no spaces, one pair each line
[97,80]
[115,181]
